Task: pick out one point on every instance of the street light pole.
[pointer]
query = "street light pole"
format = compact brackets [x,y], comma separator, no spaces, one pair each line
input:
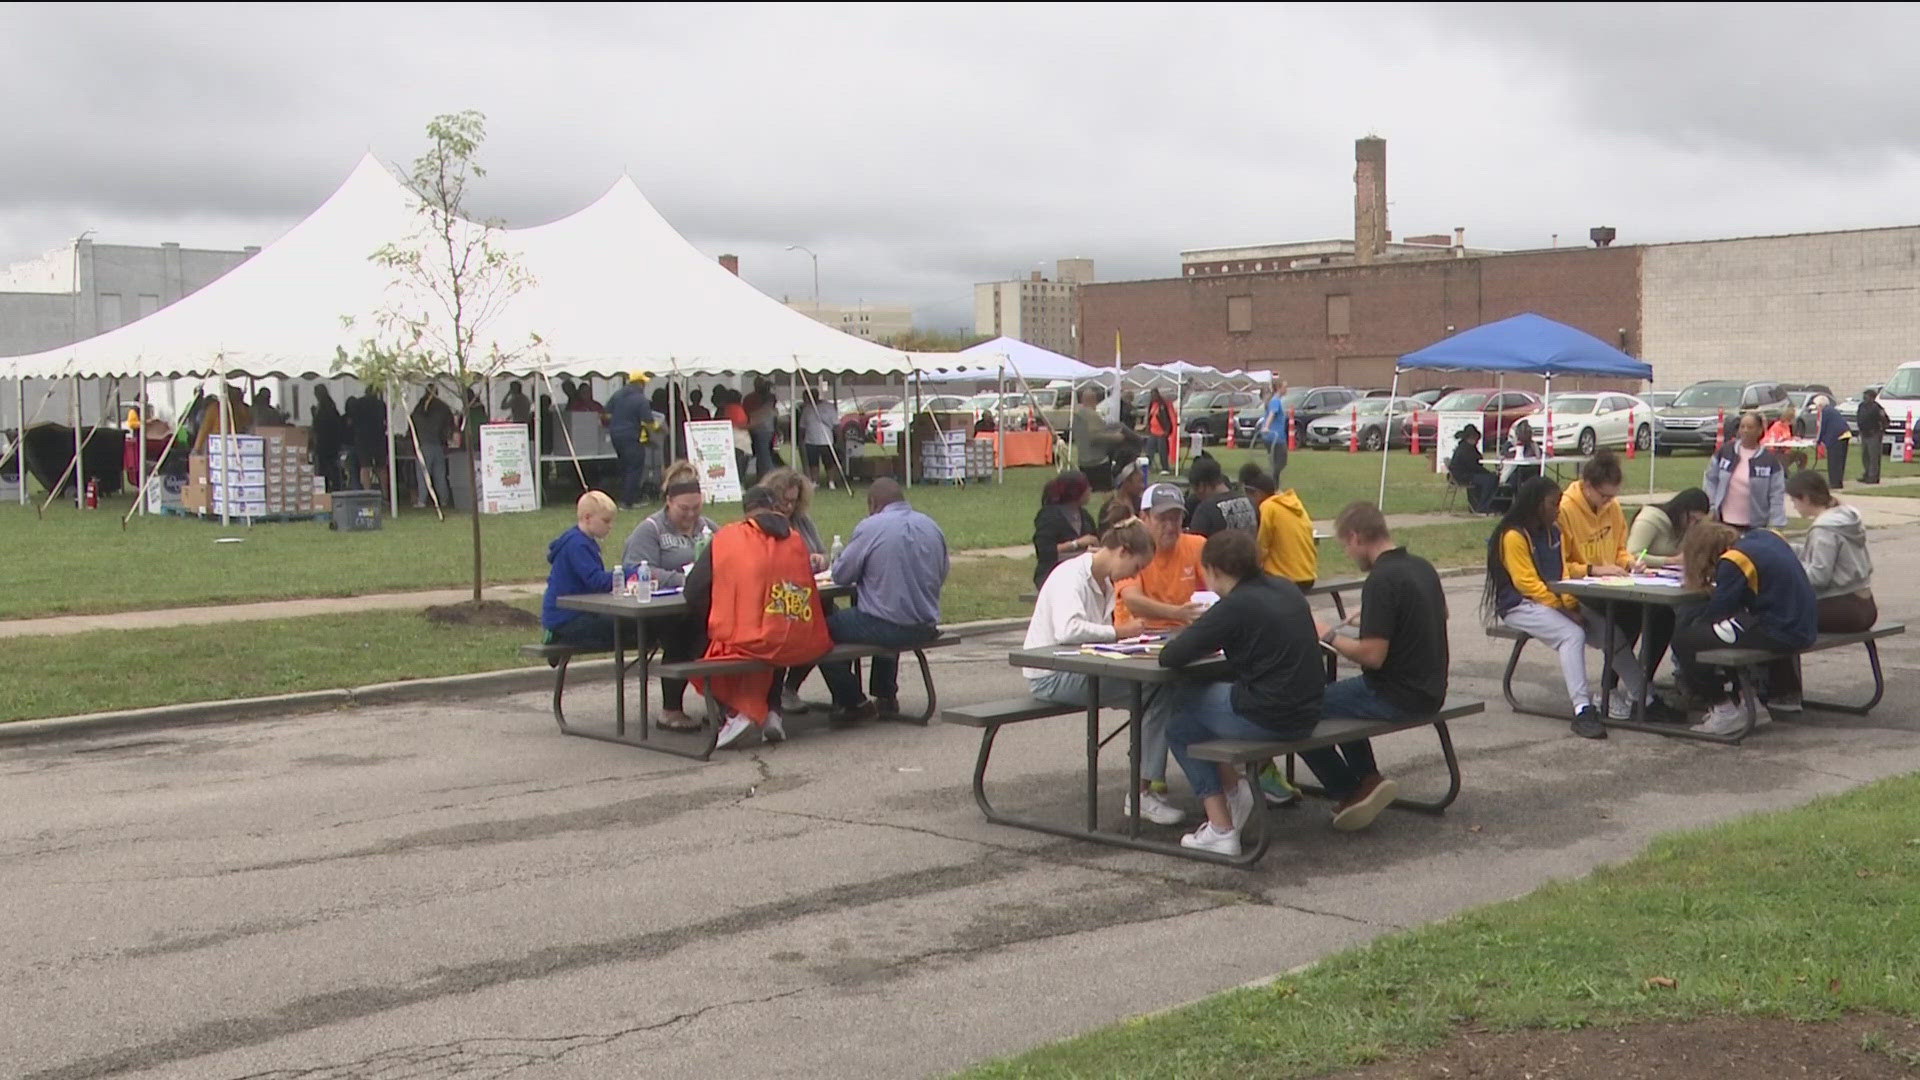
[816,275]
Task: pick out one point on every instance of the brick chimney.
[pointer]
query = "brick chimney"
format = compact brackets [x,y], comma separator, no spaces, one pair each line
[1369,199]
[732,263]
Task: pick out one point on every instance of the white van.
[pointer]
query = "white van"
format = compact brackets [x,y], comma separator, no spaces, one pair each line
[1901,398]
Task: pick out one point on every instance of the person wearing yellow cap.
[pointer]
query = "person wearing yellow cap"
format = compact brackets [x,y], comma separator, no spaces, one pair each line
[628,414]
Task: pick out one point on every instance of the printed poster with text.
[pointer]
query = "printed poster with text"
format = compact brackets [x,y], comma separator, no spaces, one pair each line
[710,449]
[506,469]
[1448,426]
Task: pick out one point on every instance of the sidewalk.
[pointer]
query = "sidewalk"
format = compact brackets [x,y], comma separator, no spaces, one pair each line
[1878,512]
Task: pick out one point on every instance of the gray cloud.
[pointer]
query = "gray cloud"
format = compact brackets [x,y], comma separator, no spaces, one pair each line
[921,148]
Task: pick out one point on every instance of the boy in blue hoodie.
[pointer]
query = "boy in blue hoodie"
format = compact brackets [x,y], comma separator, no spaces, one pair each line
[577,568]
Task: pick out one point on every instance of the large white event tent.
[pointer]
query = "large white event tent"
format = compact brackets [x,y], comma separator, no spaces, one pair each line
[615,288]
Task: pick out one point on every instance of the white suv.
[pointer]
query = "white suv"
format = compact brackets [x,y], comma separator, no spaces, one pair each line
[1901,398]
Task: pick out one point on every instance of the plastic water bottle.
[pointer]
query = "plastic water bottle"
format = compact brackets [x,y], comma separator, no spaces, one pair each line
[706,537]
[833,553]
[619,580]
[643,581]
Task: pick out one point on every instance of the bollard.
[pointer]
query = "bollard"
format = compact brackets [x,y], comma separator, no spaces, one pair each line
[1353,431]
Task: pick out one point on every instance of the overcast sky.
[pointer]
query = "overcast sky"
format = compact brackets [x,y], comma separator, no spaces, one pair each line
[918,149]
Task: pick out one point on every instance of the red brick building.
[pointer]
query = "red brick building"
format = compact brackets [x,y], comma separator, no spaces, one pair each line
[1348,324]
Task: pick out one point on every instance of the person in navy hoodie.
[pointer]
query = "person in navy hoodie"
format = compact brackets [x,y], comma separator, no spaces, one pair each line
[577,568]
[1759,598]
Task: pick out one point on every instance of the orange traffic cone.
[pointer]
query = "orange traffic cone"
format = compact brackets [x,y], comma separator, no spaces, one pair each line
[1413,433]
[1633,435]
[1231,442]
[1353,431]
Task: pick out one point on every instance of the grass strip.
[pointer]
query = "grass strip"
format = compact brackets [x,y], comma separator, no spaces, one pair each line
[1805,914]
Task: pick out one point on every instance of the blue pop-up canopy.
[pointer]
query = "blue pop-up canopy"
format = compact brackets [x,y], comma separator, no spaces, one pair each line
[1529,345]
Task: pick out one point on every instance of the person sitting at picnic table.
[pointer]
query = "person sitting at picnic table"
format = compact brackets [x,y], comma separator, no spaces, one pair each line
[1287,548]
[1760,599]
[1654,540]
[1522,459]
[897,558]
[1834,555]
[1128,485]
[577,568]
[1593,528]
[1160,597]
[1524,555]
[1062,528]
[764,607]
[668,541]
[1464,469]
[1746,484]
[1259,485]
[1784,430]
[1076,607]
[1216,505]
[793,494]
[1267,632]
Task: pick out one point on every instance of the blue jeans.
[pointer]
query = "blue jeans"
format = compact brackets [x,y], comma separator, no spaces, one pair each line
[1072,688]
[1204,712]
[855,627]
[762,440]
[633,467]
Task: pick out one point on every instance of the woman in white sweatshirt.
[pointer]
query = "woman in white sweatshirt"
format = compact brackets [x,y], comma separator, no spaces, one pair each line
[1834,555]
[1075,607]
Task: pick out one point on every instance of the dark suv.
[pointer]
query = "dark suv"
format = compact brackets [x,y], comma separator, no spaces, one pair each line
[1692,422]
[1210,411]
[1307,403]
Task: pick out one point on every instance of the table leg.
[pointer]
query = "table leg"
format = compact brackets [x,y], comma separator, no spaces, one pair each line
[1093,754]
[640,661]
[1133,761]
[1606,655]
[619,683]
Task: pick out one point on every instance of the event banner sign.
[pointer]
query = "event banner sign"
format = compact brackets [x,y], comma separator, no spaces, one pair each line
[506,469]
[1448,433]
[710,449]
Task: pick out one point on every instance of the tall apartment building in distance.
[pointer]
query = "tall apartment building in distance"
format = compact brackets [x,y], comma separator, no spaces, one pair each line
[874,322]
[74,292]
[1034,309]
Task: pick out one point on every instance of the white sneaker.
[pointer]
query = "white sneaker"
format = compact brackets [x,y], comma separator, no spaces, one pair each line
[774,730]
[1785,703]
[790,702]
[1208,838]
[1155,809]
[1240,803]
[1724,719]
[1619,707]
[733,731]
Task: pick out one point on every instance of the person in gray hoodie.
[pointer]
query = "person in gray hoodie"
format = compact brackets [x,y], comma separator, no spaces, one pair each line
[1835,556]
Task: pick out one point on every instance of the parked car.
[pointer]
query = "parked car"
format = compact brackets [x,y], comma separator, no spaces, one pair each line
[1659,399]
[1802,395]
[1307,404]
[1427,398]
[886,426]
[1210,411]
[1585,422]
[1692,421]
[1850,408]
[1008,410]
[856,416]
[1334,431]
[1498,408]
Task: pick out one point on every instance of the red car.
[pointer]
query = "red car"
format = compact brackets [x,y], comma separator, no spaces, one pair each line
[1498,408]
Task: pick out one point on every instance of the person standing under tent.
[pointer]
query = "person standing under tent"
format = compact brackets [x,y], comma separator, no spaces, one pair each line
[696,411]
[629,413]
[818,419]
[368,415]
[264,414]
[762,417]
[211,422]
[1872,418]
[329,437]
[1163,427]
[519,410]
[432,424]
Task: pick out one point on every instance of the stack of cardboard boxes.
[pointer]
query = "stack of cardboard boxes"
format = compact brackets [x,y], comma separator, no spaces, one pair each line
[265,474]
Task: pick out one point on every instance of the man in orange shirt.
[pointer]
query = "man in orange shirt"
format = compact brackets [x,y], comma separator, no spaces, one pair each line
[1161,598]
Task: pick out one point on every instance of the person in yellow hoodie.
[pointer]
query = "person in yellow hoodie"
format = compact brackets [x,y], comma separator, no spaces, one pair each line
[1286,539]
[1593,528]
[1525,556]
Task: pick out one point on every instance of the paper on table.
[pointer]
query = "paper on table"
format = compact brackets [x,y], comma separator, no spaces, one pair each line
[1205,599]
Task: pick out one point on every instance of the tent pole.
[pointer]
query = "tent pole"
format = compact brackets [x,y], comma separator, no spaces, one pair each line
[1386,440]
[140,436]
[226,453]
[20,434]
[999,428]
[793,418]
[393,463]
[539,464]
[79,457]
[906,431]
[673,425]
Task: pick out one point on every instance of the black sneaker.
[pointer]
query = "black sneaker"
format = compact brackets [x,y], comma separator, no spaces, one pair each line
[1587,725]
[1659,712]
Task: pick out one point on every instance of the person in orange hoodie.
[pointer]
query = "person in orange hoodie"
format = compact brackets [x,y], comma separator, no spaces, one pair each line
[765,607]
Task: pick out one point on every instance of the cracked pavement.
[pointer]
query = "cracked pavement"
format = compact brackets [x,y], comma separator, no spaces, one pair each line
[458,890]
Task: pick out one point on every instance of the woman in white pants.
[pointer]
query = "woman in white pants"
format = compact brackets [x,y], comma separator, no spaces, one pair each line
[1523,559]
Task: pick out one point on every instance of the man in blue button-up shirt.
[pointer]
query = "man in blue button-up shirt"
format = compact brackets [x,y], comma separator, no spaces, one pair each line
[897,560]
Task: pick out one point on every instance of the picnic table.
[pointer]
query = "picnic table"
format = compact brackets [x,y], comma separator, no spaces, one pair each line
[1610,592]
[639,612]
[1556,462]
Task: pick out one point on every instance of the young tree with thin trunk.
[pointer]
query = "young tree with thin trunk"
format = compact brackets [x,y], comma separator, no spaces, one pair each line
[452,280]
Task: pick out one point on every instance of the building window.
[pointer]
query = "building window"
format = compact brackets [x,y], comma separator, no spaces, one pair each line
[1239,314]
[1339,315]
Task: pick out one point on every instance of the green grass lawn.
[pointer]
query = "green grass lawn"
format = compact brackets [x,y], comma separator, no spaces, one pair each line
[74,561]
[1804,914]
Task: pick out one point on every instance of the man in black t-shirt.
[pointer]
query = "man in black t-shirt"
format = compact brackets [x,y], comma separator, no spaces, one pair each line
[1402,647]
[1217,506]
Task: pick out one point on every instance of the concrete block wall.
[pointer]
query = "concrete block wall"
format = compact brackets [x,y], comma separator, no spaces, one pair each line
[1836,308]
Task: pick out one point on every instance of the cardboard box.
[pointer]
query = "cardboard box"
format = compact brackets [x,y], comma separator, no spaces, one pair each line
[242,444]
[283,436]
[322,502]
[256,477]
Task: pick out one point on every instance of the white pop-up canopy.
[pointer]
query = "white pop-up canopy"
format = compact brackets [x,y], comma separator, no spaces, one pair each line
[990,360]
[615,288]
